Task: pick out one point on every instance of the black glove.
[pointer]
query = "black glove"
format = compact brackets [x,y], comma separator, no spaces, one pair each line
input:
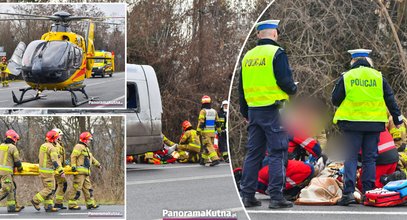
[402,147]
[20,168]
[73,169]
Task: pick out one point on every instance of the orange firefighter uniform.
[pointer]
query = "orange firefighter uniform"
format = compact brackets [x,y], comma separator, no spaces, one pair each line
[206,128]
[81,161]
[48,164]
[10,158]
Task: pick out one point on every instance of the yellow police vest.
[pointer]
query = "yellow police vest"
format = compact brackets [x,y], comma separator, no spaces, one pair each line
[259,82]
[364,101]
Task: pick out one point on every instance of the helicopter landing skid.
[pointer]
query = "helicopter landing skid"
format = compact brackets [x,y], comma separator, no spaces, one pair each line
[75,101]
[21,101]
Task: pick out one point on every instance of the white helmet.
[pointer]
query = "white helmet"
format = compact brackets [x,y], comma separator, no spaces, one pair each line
[57,130]
[225,102]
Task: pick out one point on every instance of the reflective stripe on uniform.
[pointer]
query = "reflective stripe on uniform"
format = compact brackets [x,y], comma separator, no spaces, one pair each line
[386,146]
[306,142]
[6,168]
[4,148]
[213,154]
[83,169]
[46,170]
[72,202]
[194,145]
[39,197]
[290,181]
[90,202]
[11,202]
[59,197]
[49,202]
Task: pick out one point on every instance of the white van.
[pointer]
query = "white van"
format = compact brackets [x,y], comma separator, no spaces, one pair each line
[144,110]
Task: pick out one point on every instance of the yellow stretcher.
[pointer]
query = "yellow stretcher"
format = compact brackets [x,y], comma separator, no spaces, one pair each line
[31,169]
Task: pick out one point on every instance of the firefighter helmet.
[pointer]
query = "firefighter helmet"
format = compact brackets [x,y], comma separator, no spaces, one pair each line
[186,124]
[206,99]
[11,134]
[52,136]
[85,137]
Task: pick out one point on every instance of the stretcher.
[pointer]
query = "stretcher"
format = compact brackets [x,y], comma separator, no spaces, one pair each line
[31,169]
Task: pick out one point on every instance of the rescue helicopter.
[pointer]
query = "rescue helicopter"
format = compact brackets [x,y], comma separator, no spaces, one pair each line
[59,61]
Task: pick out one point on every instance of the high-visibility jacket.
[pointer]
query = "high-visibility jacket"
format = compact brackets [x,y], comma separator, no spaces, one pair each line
[61,153]
[190,138]
[364,101]
[48,159]
[82,159]
[8,156]
[259,82]
[207,121]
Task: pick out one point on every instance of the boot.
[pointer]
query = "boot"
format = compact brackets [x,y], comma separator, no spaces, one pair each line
[201,162]
[75,208]
[13,208]
[36,205]
[214,163]
[49,208]
[250,202]
[347,199]
[93,206]
[278,204]
[59,206]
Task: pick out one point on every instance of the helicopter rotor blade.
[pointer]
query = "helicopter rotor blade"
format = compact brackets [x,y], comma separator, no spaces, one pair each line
[23,19]
[28,15]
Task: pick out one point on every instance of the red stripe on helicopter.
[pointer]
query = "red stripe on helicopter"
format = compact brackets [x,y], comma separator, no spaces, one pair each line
[81,72]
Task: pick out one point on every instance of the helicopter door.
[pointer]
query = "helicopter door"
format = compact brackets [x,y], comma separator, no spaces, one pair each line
[15,62]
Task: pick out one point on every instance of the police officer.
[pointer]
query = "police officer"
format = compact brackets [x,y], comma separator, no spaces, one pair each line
[61,182]
[48,164]
[206,129]
[10,158]
[222,134]
[362,94]
[265,82]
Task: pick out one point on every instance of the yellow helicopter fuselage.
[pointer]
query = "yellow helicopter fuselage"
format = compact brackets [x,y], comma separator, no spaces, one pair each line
[78,73]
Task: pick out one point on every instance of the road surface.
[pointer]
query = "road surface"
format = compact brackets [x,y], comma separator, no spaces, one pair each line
[359,212]
[114,211]
[186,187]
[102,89]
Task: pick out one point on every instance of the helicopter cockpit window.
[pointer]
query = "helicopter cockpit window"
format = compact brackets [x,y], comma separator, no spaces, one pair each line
[77,57]
[33,50]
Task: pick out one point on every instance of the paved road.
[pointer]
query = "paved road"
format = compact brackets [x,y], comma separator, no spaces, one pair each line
[359,212]
[187,187]
[115,211]
[103,89]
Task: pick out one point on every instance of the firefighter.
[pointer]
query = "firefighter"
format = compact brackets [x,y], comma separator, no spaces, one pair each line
[11,158]
[81,161]
[3,71]
[206,129]
[265,84]
[189,146]
[362,95]
[48,164]
[222,134]
[61,182]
